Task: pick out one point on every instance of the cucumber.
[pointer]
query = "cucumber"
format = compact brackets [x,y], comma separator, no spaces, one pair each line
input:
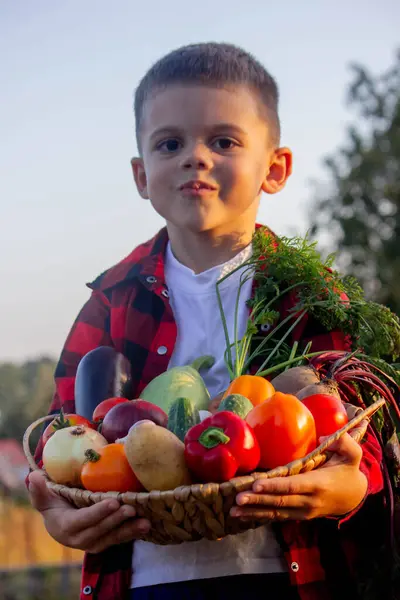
[182,415]
[236,403]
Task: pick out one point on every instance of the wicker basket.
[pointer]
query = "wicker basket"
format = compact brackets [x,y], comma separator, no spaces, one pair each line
[193,512]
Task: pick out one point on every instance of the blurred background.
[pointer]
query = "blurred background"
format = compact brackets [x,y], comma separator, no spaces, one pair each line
[69,208]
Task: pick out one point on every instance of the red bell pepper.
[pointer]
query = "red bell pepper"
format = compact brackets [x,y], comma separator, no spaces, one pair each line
[221,447]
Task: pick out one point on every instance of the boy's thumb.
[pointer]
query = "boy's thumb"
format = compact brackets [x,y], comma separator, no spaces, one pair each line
[41,497]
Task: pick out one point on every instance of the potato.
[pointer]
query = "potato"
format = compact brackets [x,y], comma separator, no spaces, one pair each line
[156,456]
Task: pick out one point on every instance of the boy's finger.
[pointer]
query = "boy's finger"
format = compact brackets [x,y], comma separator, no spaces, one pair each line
[274,500]
[89,536]
[125,533]
[284,486]
[84,518]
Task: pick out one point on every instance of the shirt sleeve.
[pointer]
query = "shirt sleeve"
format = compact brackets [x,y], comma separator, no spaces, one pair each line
[371,467]
[90,330]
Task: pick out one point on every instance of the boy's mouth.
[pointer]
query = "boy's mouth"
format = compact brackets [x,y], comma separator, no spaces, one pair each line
[197,185]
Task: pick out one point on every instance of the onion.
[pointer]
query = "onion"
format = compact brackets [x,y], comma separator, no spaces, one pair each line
[64,453]
[295,379]
[121,417]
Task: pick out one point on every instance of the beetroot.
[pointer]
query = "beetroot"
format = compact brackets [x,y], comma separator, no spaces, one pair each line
[295,379]
[121,417]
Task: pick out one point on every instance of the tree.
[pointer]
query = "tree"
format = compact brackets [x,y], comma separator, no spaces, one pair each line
[361,209]
[25,394]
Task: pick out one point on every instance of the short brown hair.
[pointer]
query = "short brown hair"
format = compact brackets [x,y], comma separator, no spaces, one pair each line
[214,64]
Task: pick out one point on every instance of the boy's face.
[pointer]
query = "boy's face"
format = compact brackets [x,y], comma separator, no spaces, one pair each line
[206,158]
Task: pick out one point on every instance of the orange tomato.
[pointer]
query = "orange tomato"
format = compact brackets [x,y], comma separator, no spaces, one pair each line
[255,388]
[108,470]
[284,428]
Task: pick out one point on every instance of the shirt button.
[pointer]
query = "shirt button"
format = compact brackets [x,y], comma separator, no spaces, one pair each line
[295,567]
[162,350]
[87,590]
[265,328]
[151,279]
[165,293]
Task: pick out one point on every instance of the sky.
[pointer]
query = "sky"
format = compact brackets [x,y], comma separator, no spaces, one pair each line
[68,70]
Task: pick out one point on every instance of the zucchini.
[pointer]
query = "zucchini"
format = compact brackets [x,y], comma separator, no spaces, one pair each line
[236,403]
[182,415]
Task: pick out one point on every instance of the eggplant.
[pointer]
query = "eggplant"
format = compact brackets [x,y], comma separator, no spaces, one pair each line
[102,373]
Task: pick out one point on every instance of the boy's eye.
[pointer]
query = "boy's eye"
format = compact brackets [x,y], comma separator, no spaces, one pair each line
[225,143]
[170,145]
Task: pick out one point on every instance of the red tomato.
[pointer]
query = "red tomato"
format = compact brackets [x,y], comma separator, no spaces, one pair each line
[62,421]
[102,409]
[284,428]
[328,412]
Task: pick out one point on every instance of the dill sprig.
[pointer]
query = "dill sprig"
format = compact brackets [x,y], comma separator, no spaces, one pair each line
[293,267]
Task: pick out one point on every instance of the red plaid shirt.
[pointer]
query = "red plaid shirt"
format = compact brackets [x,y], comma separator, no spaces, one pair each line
[129,310]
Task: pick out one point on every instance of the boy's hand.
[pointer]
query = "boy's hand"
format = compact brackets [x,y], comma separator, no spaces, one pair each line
[92,529]
[334,489]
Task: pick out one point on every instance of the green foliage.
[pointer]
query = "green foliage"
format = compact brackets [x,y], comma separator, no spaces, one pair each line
[52,583]
[25,395]
[362,204]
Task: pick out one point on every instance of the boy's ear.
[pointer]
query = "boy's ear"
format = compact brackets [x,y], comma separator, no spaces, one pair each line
[139,175]
[280,169]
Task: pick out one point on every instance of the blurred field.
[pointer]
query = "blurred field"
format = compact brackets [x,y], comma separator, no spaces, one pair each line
[32,564]
[24,541]
[53,583]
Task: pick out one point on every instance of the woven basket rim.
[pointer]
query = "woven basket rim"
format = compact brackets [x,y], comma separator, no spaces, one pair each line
[237,483]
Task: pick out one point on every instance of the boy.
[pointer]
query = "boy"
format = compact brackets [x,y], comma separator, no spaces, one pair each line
[208,136]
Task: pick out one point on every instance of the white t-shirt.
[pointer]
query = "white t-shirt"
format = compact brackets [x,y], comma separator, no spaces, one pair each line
[194,303]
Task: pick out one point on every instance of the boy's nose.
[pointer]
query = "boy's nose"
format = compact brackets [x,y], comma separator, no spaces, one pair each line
[197,158]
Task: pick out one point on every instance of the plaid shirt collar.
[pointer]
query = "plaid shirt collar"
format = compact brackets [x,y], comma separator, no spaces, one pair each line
[147,260]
